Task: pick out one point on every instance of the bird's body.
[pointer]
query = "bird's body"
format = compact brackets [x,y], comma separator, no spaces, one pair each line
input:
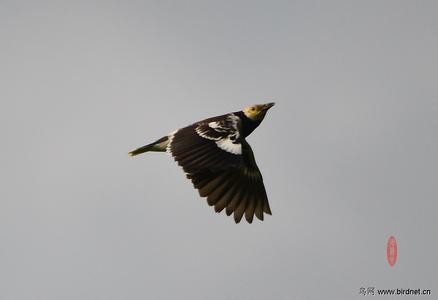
[220,163]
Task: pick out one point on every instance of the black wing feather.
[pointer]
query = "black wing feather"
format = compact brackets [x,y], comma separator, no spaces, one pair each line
[231,181]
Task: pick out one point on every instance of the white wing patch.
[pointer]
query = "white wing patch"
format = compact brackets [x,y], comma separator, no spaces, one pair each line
[225,133]
[204,133]
[218,127]
[229,146]
[170,139]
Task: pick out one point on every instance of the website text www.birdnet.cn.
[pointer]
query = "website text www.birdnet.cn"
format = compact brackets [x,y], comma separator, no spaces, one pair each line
[373,291]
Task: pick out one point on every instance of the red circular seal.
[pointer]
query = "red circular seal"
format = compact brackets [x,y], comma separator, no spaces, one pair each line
[391,251]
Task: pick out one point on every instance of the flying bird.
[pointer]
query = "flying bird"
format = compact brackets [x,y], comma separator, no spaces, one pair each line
[219,161]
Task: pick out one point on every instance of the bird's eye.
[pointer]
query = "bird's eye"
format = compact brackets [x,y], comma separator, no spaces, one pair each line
[252,109]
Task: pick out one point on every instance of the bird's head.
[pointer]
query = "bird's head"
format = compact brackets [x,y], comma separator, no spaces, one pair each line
[258,111]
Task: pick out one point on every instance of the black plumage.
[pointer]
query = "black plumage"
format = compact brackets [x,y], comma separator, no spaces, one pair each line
[220,163]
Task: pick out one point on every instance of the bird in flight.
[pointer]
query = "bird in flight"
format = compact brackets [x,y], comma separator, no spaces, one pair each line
[219,161]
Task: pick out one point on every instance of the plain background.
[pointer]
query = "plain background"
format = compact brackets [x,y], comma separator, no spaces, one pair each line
[349,153]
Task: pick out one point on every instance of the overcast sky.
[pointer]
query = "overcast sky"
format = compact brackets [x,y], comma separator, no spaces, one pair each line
[348,154]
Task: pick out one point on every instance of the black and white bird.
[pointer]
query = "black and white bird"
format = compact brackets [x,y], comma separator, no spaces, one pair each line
[220,163]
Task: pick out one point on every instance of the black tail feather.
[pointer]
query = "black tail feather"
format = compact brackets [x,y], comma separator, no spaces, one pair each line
[157,146]
[141,150]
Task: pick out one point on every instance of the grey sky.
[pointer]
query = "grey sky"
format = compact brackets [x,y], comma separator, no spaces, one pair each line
[348,154]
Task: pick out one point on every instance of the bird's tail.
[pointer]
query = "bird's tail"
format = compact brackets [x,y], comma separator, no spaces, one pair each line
[157,146]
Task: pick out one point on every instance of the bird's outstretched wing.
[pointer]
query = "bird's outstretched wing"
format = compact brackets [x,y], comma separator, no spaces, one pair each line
[222,167]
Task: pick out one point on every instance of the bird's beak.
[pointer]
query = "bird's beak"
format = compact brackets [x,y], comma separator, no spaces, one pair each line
[268,106]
